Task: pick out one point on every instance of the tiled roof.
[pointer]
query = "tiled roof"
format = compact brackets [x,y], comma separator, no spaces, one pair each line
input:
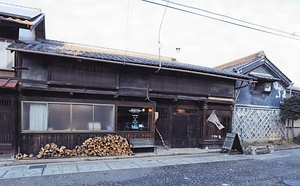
[262,76]
[74,50]
[242,61]
[24,16]
[247,64]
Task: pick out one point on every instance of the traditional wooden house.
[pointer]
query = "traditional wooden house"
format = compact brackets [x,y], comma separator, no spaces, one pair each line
[59,92]
[69,92]
[16,23]
[256,113]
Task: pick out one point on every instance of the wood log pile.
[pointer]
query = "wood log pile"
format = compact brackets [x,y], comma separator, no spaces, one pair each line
[52,150]
[20,156]
[111,145]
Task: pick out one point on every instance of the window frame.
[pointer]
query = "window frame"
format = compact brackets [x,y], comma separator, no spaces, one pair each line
[69,104]
[151,125]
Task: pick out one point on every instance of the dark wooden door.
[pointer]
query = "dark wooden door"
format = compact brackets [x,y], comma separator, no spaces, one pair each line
[184,131]
[163,126]
[6,126]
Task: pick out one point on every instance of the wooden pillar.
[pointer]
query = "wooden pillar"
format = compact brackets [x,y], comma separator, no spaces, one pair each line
[205,107]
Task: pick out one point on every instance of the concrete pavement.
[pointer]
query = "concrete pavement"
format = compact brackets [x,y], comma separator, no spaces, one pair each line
[44,167]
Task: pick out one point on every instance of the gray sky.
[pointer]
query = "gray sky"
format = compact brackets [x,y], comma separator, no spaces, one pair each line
[134,25]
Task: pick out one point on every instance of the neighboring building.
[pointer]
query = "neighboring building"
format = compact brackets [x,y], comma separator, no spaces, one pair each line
[16,24]
[256,114]
[293,91]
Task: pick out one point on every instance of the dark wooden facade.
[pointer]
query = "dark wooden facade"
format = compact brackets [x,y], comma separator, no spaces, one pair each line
[182,100]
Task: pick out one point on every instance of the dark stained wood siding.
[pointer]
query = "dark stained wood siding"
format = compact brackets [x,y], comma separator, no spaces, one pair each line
[129,81]
[68,72]
[133,82]
[82,74]
[8,32]
[179,85]
[222,88]
[192,85]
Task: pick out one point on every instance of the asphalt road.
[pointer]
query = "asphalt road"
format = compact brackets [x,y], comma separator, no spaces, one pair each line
[274,169]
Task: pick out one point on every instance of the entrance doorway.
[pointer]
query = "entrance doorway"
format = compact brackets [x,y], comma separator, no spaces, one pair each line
[6,126]
[184,131]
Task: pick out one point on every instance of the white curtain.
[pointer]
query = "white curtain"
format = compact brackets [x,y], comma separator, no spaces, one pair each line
[38,117]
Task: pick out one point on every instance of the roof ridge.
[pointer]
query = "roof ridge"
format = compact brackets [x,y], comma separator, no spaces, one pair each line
[21,6]
[243,60]
[59,50]
[94,48]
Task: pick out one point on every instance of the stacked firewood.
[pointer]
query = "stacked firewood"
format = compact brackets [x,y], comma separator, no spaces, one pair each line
[111,145]
[20,156]
[52,150]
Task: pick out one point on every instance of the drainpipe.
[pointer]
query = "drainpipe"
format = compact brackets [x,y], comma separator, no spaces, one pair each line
[291,86]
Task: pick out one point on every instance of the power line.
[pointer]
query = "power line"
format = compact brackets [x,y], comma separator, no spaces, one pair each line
[225,21]
[229,17]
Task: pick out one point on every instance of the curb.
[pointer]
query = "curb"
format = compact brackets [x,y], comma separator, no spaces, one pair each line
[286,147]
[35,161]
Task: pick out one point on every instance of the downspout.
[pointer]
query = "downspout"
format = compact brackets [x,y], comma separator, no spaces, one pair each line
[292,127]
[159,42]
[235,101]
[159,134]
[291,87]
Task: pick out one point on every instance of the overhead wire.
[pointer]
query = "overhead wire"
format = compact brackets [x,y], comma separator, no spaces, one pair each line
[289,35]
[228,17]
[280,16]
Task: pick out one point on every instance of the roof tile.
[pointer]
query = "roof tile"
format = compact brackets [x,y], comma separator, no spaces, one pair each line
[67,49]
[241,61]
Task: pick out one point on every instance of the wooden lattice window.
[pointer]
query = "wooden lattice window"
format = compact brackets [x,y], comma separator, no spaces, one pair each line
[84,73]
[5,103]
[178,84]
[162,112]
